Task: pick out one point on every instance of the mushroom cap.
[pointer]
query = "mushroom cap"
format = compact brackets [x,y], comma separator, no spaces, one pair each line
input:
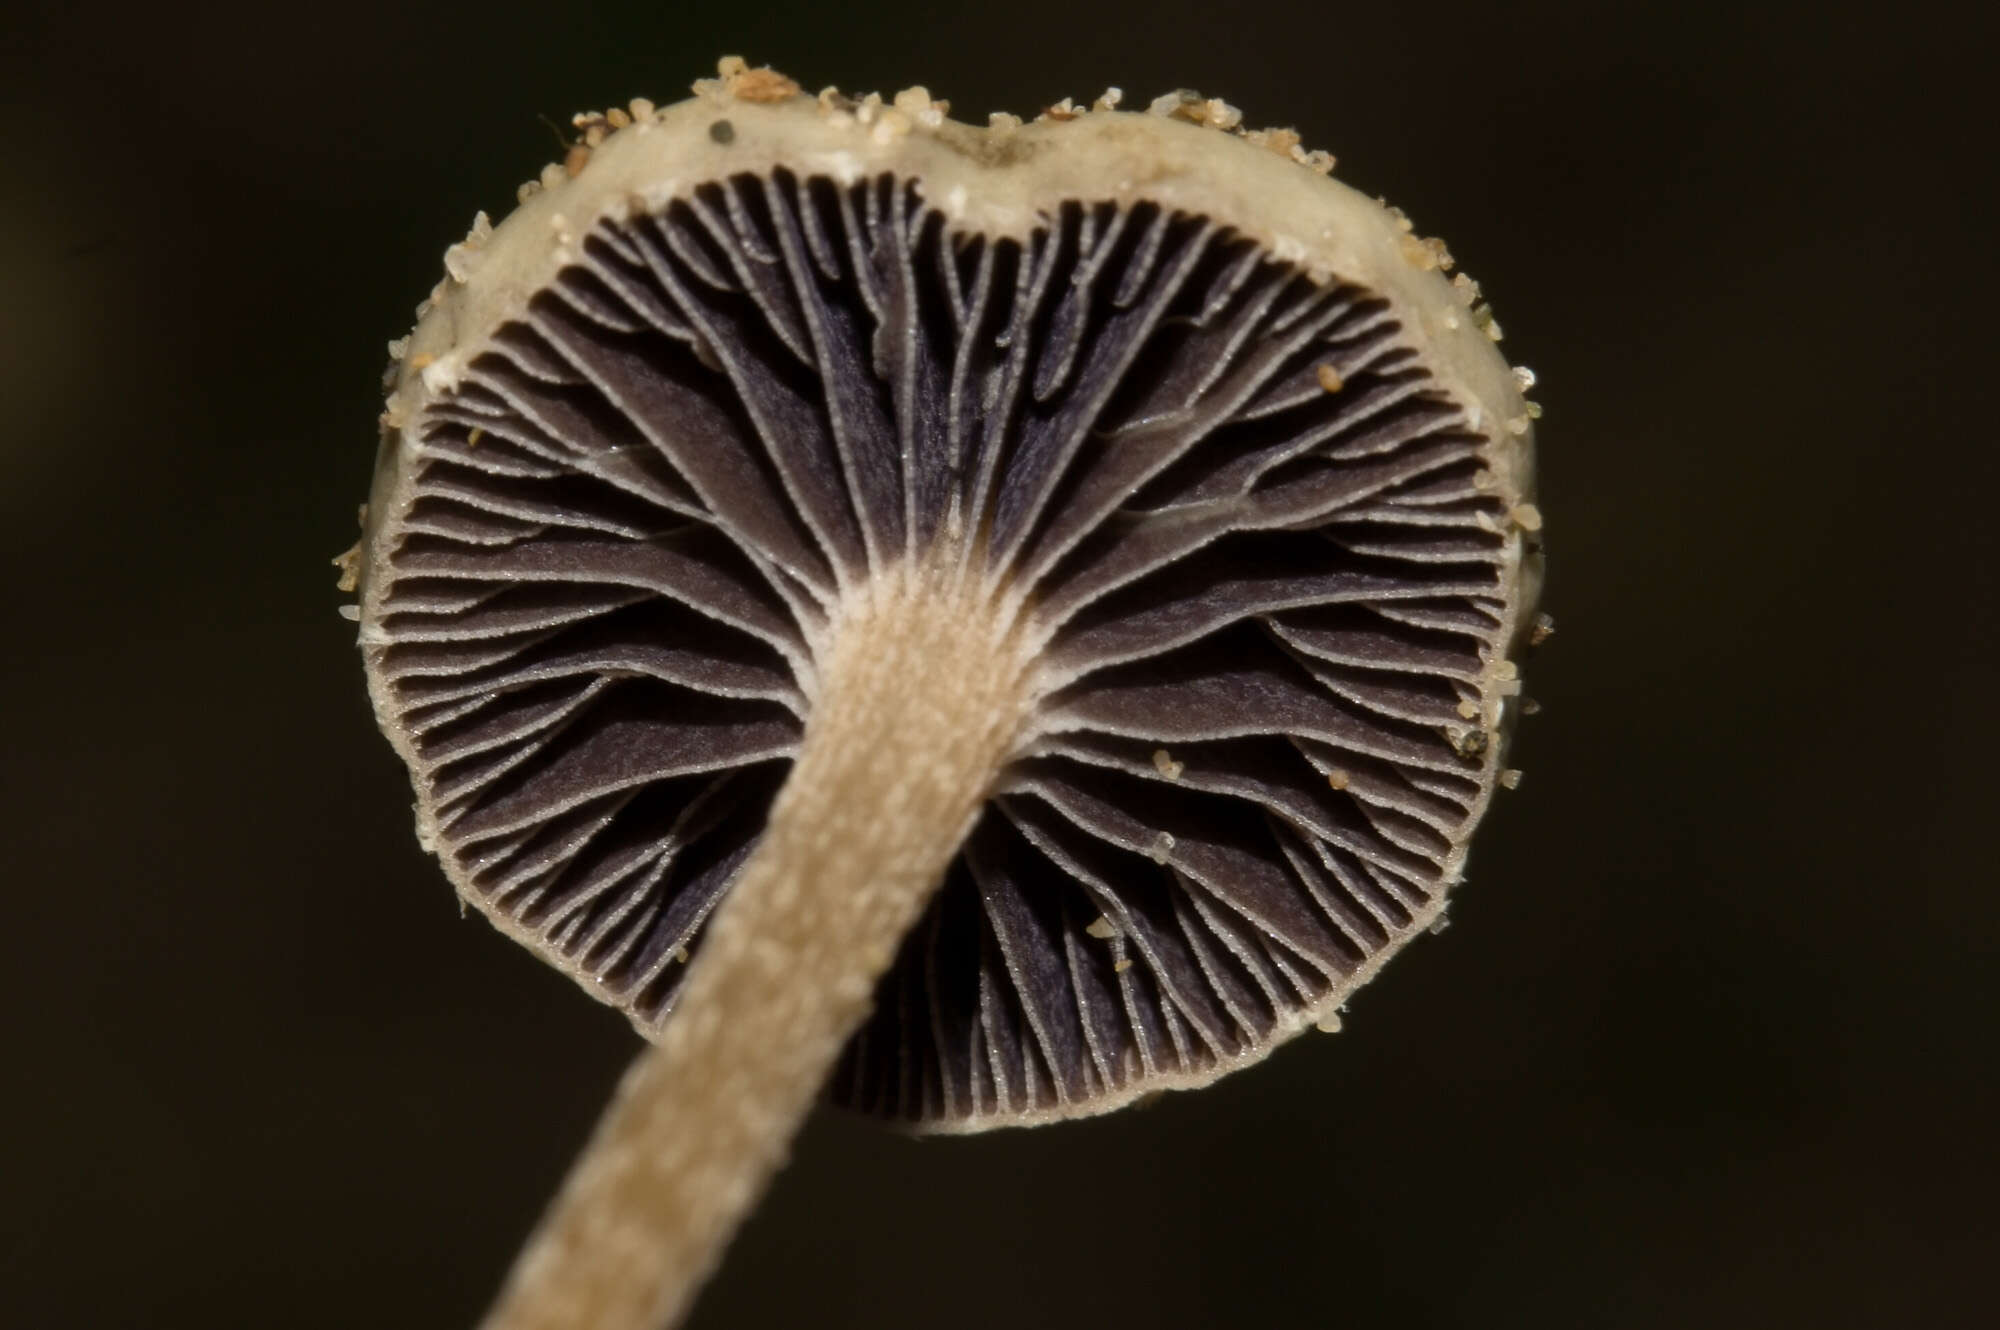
[1218,430]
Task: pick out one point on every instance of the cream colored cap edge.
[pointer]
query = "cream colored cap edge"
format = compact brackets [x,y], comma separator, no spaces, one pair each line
[1002,180]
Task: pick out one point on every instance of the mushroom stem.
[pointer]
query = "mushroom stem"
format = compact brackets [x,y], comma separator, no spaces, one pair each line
[921,696]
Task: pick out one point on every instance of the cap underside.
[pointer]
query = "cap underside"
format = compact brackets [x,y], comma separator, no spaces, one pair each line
[1261,539]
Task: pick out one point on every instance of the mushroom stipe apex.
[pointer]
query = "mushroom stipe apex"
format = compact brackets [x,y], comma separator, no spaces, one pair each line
[1219,454]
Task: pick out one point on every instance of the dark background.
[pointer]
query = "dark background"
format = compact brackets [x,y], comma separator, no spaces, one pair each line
[1710,1041]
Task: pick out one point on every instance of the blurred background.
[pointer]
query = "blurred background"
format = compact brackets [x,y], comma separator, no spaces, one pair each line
[1710,1041]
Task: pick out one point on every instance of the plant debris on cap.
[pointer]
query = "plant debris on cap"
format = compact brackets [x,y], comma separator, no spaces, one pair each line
[1221,433]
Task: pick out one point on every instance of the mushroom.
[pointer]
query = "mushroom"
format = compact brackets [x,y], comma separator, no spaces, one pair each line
[989,623]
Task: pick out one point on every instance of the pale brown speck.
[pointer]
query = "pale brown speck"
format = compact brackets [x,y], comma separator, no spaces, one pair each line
[1186,104]
[349,563]
[891,125]
[762,85]
[1281,141]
